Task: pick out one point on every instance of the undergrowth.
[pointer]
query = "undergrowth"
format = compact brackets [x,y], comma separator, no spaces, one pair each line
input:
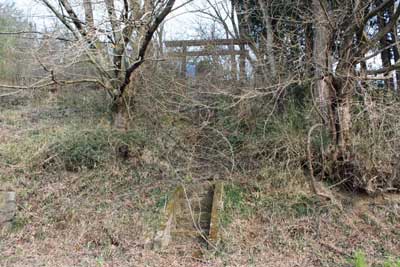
[360,260]
[76,186]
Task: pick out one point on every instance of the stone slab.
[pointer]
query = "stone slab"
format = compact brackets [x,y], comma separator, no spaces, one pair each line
[7,207]
[191,216]
[217,207]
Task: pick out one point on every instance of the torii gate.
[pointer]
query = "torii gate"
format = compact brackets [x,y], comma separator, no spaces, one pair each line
[211,50]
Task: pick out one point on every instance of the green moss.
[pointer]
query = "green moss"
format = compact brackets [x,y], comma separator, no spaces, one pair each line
[216,213]
[360,260]
[234,203]
[18,223]
[304,206]
[392,263]
[234,197]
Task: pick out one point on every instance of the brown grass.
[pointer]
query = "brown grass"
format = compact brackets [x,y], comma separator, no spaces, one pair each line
[104,216]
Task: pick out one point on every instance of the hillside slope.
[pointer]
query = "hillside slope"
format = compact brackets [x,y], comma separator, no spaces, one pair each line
[83,202]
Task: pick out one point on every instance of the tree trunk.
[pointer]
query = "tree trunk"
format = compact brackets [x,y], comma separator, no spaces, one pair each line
[369,104]
[384,44]
[396,57]
[308,59]
[344,84]
[344,112]
[393,40]
[334,90]
[120,120]
[324,92]
[321,53]
[269,39]
[87,5]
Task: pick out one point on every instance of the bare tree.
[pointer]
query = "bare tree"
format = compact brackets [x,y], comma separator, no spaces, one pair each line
[114,39]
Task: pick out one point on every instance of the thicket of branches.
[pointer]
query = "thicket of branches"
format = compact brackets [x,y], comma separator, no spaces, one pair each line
[12,47]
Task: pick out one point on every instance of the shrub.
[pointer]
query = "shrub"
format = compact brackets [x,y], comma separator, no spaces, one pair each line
[88,148]
[81,149]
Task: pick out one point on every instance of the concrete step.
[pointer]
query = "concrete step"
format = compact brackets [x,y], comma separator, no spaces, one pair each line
[190,216]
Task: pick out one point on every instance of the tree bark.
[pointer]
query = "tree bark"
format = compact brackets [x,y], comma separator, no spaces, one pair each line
[269,38]
[385,54]
[321,53]
[87,5]
[324,93]
[394,55]
[308,57]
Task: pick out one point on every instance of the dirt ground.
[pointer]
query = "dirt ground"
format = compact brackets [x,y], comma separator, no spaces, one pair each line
[104,215]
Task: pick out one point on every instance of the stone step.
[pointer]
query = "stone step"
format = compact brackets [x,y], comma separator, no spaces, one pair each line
[196,200]
[7,207]
[191,225]
[191,215]
[181,233]
[196,217]
[205,187]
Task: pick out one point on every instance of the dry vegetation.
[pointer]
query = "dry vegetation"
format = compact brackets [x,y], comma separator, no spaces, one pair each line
[99,125]
[82,202]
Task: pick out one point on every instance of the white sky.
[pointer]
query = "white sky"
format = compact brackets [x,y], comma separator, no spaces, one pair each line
[181,25]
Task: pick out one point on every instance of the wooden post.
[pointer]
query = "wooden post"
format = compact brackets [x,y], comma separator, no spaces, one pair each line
[184,62]
[233,64]
[216,209]
[242,62]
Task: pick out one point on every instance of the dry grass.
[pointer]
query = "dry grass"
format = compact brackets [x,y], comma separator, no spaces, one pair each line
[103,215]
[293,229]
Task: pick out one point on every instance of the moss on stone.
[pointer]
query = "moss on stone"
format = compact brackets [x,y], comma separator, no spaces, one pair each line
[215,212]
